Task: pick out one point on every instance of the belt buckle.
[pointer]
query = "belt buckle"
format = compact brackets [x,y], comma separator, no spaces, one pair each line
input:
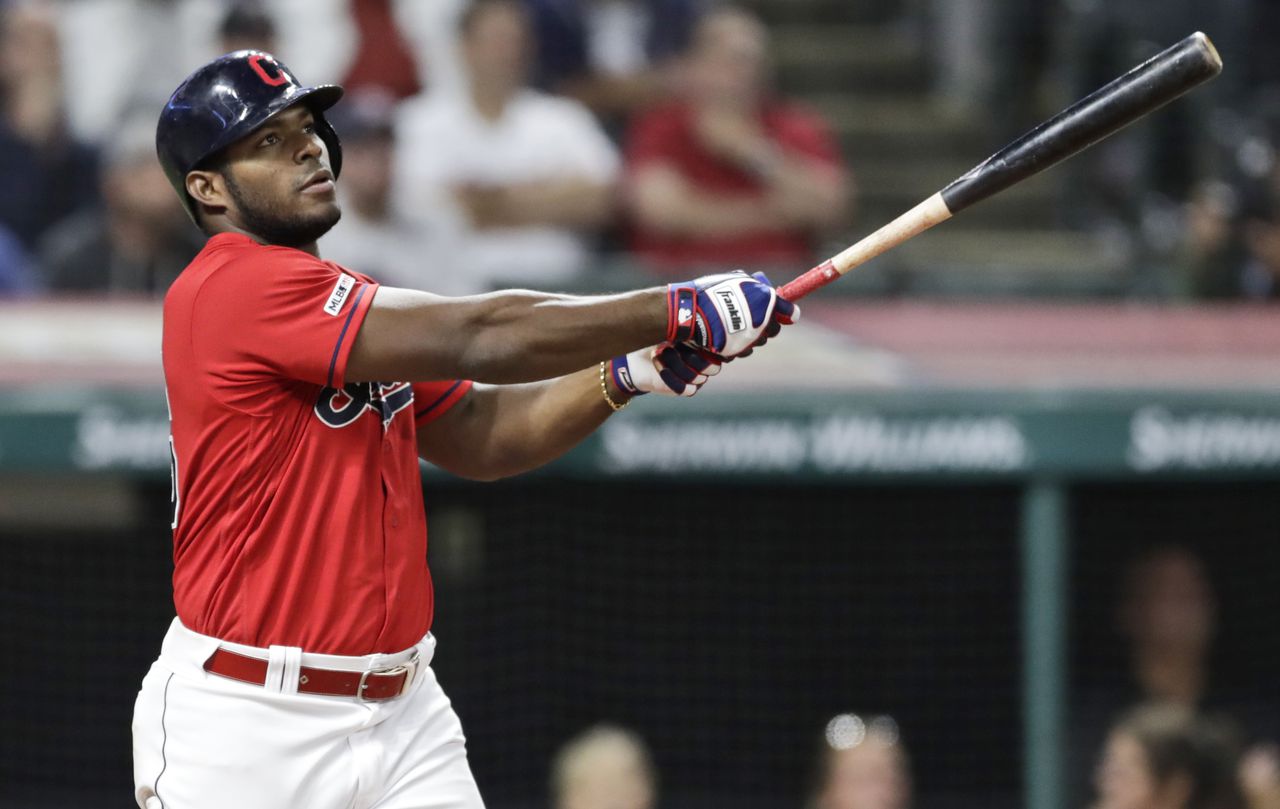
[408,668]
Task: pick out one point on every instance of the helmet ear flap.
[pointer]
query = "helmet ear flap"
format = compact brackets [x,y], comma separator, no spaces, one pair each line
[331,141]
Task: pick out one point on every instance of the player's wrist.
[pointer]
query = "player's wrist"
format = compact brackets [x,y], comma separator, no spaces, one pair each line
[682,309]
[620,382]
[615,397]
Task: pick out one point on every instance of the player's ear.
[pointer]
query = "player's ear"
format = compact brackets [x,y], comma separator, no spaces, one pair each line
[207,188]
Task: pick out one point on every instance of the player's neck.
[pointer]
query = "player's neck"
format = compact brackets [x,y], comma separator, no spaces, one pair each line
[226,226]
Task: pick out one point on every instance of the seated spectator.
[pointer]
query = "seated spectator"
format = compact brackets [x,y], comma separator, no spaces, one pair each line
[862,765]
[383,58]
[1168,617]
[1169,614]
[395,45]
[730,174]
[1167,758]
[121,55]
[372,236]
[139,241]
[47,174]
[615,56]
[605,767]
[1233,241]
[247,26]
[510,182]
[431,28]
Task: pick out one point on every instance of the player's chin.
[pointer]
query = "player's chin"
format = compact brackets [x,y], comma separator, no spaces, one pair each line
[312,223]
[325,213]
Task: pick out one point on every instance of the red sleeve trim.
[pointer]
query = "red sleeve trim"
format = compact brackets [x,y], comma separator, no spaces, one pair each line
[430,412]
[360,304]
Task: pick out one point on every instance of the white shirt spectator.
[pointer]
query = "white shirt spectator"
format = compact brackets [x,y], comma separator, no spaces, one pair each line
[443,143]
[117,54]
[431,28]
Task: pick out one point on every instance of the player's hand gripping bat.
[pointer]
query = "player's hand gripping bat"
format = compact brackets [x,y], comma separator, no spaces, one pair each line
[1142,90]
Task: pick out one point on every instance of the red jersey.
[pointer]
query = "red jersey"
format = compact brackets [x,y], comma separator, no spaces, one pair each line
[666,135]
[298,516]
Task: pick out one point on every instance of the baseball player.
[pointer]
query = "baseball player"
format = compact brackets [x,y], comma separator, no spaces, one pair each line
[301,396]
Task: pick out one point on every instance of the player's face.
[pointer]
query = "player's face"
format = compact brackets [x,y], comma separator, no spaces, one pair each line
[279,181]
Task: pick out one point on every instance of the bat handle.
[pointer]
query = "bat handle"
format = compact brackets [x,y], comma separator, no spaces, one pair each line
[816,278]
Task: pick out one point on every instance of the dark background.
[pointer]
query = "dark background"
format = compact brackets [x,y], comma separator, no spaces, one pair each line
[726,625]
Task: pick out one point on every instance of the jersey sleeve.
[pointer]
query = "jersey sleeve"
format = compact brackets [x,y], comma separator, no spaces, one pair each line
[431,400]
[279,313]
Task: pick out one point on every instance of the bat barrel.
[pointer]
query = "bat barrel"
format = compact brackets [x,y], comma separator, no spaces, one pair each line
[1147,87]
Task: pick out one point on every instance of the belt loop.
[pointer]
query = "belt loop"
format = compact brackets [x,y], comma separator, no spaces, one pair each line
[277,679]
[292,670]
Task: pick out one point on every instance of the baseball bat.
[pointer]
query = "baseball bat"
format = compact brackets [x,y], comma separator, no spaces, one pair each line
[1147,87]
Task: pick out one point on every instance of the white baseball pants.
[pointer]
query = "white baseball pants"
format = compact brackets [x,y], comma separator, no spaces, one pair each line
[202,741]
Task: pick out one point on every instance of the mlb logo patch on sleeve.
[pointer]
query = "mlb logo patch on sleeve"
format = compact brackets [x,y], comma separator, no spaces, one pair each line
[338,298]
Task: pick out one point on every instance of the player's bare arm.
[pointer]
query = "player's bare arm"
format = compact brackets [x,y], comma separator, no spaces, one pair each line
[500,338]
[521,336]
[501,430]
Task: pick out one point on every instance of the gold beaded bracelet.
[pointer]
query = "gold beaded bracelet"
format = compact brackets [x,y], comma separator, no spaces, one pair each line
[604,388]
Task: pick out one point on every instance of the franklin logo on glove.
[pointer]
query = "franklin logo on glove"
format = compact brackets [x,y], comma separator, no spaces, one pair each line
[729,305]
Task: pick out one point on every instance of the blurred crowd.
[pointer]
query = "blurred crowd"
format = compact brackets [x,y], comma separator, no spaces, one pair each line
[860,764]
[487,143]
[535,142]
[1192,193]
[1172,730]
[1163,730]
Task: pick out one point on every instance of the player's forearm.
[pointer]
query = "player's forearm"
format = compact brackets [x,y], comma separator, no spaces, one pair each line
[509,429]
[500,338]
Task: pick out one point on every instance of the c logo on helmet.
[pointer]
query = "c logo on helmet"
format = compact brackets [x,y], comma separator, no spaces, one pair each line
[278,79]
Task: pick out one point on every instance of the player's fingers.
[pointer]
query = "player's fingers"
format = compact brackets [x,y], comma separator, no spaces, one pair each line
[677,385]
[785,312]
[703,363]
[675,362]
[709,366]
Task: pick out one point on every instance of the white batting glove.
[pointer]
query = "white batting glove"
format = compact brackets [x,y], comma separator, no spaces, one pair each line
[727,315]
[672,370]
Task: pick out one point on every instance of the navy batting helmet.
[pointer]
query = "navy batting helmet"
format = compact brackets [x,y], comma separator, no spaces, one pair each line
[227,99]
